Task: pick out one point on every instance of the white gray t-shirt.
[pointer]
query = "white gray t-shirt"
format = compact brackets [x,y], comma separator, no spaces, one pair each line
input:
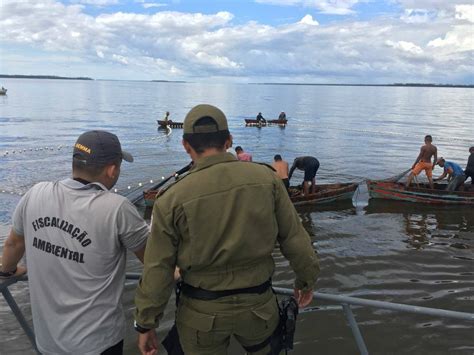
[76,238]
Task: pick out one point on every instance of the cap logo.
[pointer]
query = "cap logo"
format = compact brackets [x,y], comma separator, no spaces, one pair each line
[83,148]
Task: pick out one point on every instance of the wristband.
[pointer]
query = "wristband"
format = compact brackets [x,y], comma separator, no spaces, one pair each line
[140,329]
[8,273]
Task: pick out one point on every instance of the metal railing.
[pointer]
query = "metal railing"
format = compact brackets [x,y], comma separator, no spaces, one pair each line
[344,301]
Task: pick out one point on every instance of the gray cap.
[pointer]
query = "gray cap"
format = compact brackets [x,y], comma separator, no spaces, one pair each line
[201,111]
[99,147]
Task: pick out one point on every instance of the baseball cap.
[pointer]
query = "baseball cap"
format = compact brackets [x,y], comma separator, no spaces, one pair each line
[201,111]
[99,147]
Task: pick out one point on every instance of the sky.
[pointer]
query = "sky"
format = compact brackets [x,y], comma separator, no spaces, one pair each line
[292,41]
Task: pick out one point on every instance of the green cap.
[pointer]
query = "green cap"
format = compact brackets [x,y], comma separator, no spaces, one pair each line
[201,111]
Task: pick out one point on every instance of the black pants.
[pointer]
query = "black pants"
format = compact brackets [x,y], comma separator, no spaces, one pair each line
[116,349]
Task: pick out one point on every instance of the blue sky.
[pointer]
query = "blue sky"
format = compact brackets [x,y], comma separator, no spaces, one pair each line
[324,41]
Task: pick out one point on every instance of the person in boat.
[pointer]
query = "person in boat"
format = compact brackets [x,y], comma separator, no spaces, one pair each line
[423,161]
[166,118]
[75,233]
[221,234]
[241,155]
[260,118]
[310,166]
[454,172]
[282,116]
[469,172]
[281,168]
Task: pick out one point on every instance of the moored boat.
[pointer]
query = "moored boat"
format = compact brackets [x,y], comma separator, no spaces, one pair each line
[325,193]
[3,91]
[420,193]
[254,123]
[169,123]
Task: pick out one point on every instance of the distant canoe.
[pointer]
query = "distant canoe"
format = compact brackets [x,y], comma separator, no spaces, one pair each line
[324,194]
[422,194]
[3,91]
[254,123]
[169,123]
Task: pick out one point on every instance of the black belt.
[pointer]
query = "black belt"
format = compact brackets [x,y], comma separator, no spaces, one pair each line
[206,295]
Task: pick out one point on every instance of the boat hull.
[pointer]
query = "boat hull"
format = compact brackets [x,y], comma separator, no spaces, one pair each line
[255,123]
[325,194]
[422,194]
[169,123]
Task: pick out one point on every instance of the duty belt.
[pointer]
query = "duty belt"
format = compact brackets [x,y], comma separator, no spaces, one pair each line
[206,295]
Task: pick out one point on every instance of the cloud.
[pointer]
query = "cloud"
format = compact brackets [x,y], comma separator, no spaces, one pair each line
[465,12]
[149,5]
[177,45]
[97,2]
[308,20]
[333,7]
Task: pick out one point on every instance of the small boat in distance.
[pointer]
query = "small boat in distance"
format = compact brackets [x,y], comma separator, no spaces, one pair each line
[169,123]
[421,193]
[325,193]
[3,91]
[251,122]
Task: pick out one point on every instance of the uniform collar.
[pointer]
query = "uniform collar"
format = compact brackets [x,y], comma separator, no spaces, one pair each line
[206,162]
[76,185]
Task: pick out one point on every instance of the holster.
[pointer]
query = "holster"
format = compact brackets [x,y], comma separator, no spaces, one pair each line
[283,336]
[171,342]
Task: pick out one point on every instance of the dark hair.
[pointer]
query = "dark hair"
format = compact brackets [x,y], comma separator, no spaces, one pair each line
[472,148]
[238,148]
[92,170]
[277,157]
[202,141]
[428,137]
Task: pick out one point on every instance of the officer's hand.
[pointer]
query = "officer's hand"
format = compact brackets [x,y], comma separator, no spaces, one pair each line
[303,298]
[148,343]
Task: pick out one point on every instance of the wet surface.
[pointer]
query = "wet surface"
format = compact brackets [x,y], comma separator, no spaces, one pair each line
[383,250]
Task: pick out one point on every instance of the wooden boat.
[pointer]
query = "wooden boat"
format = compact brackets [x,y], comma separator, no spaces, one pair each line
[3,91]
[421,193]
[324,194]
[170,123]
[254,123]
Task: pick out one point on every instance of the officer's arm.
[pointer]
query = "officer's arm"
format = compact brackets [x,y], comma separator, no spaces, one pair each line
[157,281]
[13,251]
[295,243]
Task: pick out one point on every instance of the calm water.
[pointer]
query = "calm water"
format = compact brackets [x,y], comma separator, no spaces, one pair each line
[380,250]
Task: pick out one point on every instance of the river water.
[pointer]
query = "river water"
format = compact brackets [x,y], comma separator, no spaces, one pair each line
[381,250]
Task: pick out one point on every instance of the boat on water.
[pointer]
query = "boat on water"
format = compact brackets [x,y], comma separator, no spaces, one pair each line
[421,193]
[325,193]
[3,91]
[249,122]
[169,123]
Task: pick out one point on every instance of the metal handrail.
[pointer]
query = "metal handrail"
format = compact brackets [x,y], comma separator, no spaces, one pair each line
[344,301]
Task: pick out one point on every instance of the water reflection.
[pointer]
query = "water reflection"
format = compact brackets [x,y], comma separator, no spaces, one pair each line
[427,225]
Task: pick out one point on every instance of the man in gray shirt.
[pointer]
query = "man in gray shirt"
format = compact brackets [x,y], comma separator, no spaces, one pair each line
[75,233]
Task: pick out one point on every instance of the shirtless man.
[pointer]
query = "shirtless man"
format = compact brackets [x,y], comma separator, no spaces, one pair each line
[423,162]
[281,168]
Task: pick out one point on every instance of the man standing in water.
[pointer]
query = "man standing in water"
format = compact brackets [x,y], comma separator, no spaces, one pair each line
[76,233]
[281,168]
[423,162]
[221,234]
[469,172]
[310,166]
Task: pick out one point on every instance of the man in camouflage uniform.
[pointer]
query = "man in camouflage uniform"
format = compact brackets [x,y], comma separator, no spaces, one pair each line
[219,224]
